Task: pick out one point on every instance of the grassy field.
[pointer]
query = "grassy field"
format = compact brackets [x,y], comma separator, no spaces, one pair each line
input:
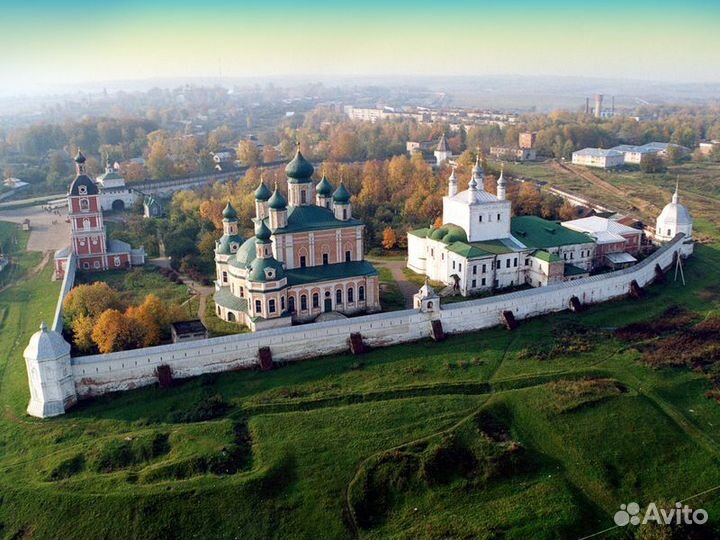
[537,433]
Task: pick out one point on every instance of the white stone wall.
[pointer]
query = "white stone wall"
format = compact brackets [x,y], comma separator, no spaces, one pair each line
[99,374]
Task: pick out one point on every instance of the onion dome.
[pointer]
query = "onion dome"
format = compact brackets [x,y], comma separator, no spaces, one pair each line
[229,212]
[341,195]
[79,157]
[324,187]
[277,201]
[262,233]
[262,193]
[262,270]
[299,170]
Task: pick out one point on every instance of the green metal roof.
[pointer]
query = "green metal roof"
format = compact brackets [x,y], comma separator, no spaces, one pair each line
[245,254]
[226,299]
[257,270]
[329,272]
[341,195]
[420,233]
[448,234]
[299,170]
[478,250]
[277,201]
[262,193]
[223,245]
[572,270]
[229,212]
[546,256]
[536,232]
[313,218]
[324,187]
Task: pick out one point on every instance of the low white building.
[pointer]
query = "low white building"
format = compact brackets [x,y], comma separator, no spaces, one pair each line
[598,157]
[114,194]
[481,247]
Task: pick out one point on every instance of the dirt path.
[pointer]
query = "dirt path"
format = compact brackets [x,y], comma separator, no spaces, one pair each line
[589,176]
[407,288]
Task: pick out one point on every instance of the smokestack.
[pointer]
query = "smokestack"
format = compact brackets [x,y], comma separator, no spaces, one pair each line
[612,109]
[598,105]
[587,105]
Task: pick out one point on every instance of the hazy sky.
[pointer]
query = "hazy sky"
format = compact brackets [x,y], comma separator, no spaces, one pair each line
[46,42]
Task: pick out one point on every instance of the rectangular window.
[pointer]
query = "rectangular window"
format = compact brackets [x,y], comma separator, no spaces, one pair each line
[326,258]
[361,293]
[302,261]
[474,270]
[515,262]
[303,197]
[258,306]
[453,265]
[507,263]
[459,267]
[474,283]
[498,217]
[271,306]
[527,262]
[484,269]
[483,282]
[479,219]
[348,256]
[224,277]
[242,292]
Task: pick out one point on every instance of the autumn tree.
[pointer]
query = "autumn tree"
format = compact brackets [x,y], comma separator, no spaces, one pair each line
[389,240]
[269,154]
[438,222]
[82,329]
[90,301]
[567,211]
[248,153]
[112,332]
[527,201]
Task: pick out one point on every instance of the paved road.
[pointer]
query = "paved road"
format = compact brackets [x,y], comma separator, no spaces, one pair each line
[48,231]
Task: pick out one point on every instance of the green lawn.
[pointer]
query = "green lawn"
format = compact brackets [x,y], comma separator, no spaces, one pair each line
[537,433]
[391,297]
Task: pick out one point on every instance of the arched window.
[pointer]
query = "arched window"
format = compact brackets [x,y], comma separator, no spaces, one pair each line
[338,296]
[351,295]
[316,300]
[86,223]
[291,304]
[303,302]
[84,205]
[361,293]
[231,316]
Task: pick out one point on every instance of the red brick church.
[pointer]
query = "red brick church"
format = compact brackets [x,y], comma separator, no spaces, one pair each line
[88,239]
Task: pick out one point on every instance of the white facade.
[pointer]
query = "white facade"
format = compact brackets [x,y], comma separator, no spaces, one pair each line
[114,194]
[597,157]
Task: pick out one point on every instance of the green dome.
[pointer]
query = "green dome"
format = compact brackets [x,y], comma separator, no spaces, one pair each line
[262,193]
[299,169]
[324,187]
[448,234]
[245,254]
[277,201]
[259,270]
[229,212]
[223,246]
[262,233]
[341,194]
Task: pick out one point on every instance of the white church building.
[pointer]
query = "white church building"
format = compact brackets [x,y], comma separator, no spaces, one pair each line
[675,218]
[481,247]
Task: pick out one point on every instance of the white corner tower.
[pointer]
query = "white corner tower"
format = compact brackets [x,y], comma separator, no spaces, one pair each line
[52,388]
[675,218]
